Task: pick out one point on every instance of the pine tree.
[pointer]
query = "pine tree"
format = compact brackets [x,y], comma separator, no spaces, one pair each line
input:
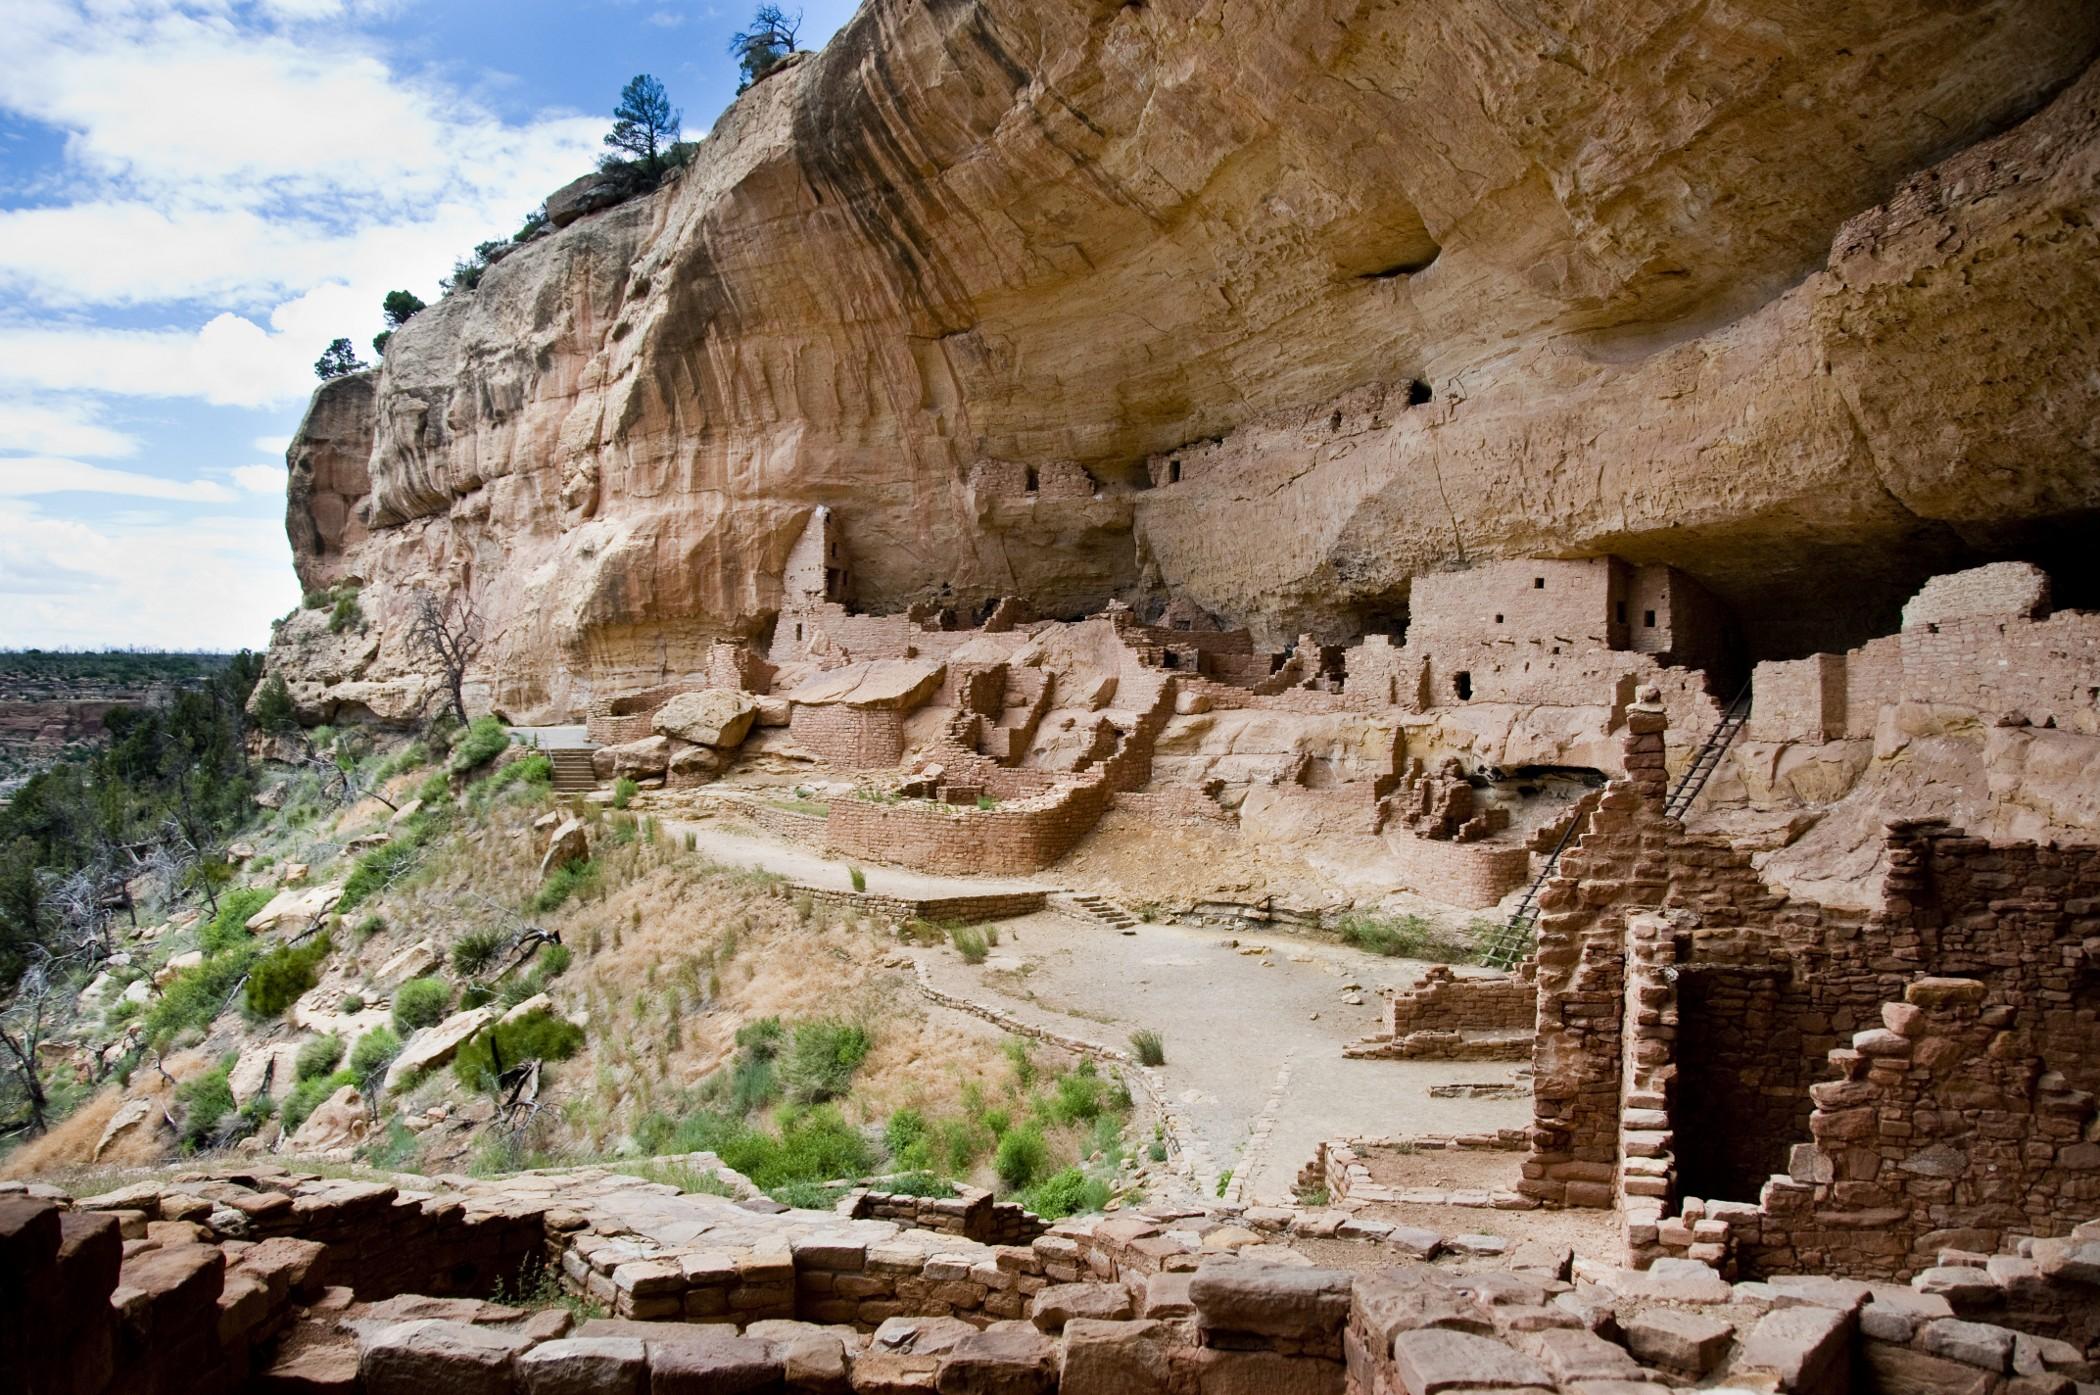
[760,49]
[645,123]
[339,359]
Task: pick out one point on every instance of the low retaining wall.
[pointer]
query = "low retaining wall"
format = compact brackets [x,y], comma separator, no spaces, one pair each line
[1445,1017]
[972,1213]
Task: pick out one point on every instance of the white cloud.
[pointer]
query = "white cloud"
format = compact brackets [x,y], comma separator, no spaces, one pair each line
[43,474]
[259,479]
[214,582]
[65,428]
[216,162]
[273,445]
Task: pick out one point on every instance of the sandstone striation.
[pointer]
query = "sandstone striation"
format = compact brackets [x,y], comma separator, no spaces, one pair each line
[1272,313]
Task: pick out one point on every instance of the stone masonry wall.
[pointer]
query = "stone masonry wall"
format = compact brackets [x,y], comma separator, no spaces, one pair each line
[852,738]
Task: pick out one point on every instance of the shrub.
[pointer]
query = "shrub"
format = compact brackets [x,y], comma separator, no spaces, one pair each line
[272,706]
[858,878]
[566,882]
[374,1052]
[905,1135]
[484,741]
[534,770]
[1147,1046]
[539,1035]
[319,1057]
[476,995]
[280,976]
[1077,1096]
[205,1100]
[814,1145]
[624,791]
[1022,1157]
[969,943]
[353,1002]
[1069,1192]
[346,613]
[754,1083]
[826,1054]
[474,951]
[421,1002]
[229,928]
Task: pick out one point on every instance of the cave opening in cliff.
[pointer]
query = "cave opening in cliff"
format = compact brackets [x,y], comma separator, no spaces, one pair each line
[1418,393]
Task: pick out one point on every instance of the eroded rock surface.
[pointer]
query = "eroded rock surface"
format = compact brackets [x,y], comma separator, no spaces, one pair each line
[1270,311]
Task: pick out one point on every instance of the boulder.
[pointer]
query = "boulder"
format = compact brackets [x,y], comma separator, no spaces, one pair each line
[773,711]
[434,1046]
[812,1358]
[569,844]
[718,717]
[337,1123]
[414,962]
[406,812]
[129,1116]
[588,194]
[633,760]
[693,761]
[267,1070]
[1803,1349]
[175,964]
[295,907]
[899,684]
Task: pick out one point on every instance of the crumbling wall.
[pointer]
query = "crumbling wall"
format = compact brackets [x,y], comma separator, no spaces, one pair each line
[852,738]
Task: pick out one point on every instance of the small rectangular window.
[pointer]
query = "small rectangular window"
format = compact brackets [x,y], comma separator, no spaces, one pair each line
[1538,583]
[1498,619]
[1619,609]
[1648,618]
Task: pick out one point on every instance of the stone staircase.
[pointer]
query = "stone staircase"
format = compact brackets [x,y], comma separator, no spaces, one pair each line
[1085,905]
[573,773]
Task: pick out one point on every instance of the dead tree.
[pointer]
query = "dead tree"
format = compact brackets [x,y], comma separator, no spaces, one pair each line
[22,1028]
[445,635]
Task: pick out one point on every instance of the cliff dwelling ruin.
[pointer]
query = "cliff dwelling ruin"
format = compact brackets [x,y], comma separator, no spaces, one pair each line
[1240,503]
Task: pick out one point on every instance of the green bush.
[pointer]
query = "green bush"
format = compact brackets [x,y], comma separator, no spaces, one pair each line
[353,1002]
[473,952]
[345,614]
[1023,1156]
[1069,1192]
[813,1145]
[826,1053]
[1077,1097]
[476,995]
[421,1002]
[374,1052]
[858,878]
[969,943]
[229,928]
[485,740]
[1017,1055]
[905,1135]
[272,706]
[572,880]
[624,791]
[1147,1046]
[319,1057]
[534,770]
[537,1034]
[279,977]
[205,1100]
[194,997]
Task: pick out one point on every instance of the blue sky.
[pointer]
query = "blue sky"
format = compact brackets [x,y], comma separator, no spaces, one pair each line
[196,196]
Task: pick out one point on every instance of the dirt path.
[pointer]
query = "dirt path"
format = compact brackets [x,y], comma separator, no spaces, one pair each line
[713,841]
[1253,1042]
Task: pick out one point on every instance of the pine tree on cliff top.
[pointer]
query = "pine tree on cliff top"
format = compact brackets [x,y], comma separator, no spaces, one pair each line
[645,124]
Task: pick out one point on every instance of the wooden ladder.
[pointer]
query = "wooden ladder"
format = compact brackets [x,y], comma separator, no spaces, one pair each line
[1709,758]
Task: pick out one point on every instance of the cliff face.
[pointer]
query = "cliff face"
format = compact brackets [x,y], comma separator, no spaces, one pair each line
[1799,298]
